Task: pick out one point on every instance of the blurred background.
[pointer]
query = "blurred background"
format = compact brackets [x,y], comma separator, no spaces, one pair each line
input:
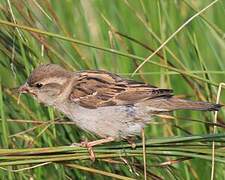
[116,36]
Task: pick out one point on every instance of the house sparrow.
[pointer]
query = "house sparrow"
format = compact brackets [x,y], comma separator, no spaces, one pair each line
[104,103]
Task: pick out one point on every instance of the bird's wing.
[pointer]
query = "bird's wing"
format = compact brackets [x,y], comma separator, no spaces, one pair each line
[95,89]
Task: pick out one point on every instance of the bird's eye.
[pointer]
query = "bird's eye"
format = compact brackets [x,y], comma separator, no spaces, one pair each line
[38,85]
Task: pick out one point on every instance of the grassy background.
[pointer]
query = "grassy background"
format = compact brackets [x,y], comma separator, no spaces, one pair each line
[82,34]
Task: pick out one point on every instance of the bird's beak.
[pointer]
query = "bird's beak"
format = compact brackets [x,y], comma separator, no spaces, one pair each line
[24,89]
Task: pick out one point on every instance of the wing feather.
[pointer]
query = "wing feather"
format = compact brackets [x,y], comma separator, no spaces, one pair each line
[100,88]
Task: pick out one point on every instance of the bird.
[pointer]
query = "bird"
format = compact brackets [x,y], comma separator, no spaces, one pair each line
[104,103]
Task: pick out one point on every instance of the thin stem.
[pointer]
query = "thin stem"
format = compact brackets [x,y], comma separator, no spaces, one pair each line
[172,35]
[214,131]
[144,153]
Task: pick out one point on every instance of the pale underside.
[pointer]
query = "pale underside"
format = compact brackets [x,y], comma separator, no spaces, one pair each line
[110,121]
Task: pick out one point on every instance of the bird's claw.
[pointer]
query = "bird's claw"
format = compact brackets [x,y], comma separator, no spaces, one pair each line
[86,144]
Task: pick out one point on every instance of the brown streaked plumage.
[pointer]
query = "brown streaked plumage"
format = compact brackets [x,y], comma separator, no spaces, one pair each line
[44,71]
[104,103]
[100,88]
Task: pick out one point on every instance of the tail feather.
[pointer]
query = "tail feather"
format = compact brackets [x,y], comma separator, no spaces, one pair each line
[173,103]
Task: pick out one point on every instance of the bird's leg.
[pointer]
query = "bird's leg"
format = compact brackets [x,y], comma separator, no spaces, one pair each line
[100,141]
[89,145]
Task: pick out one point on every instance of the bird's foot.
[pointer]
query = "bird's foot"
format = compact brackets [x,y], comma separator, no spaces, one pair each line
[131,141]
[88,145]
[91,144]
[85,144]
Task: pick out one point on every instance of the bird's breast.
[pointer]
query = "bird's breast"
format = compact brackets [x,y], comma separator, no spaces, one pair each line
[114,121]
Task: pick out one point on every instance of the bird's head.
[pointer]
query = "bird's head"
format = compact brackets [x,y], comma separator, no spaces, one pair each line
[46,83]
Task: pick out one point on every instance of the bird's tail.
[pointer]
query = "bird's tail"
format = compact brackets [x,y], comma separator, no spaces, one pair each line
[173,103]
